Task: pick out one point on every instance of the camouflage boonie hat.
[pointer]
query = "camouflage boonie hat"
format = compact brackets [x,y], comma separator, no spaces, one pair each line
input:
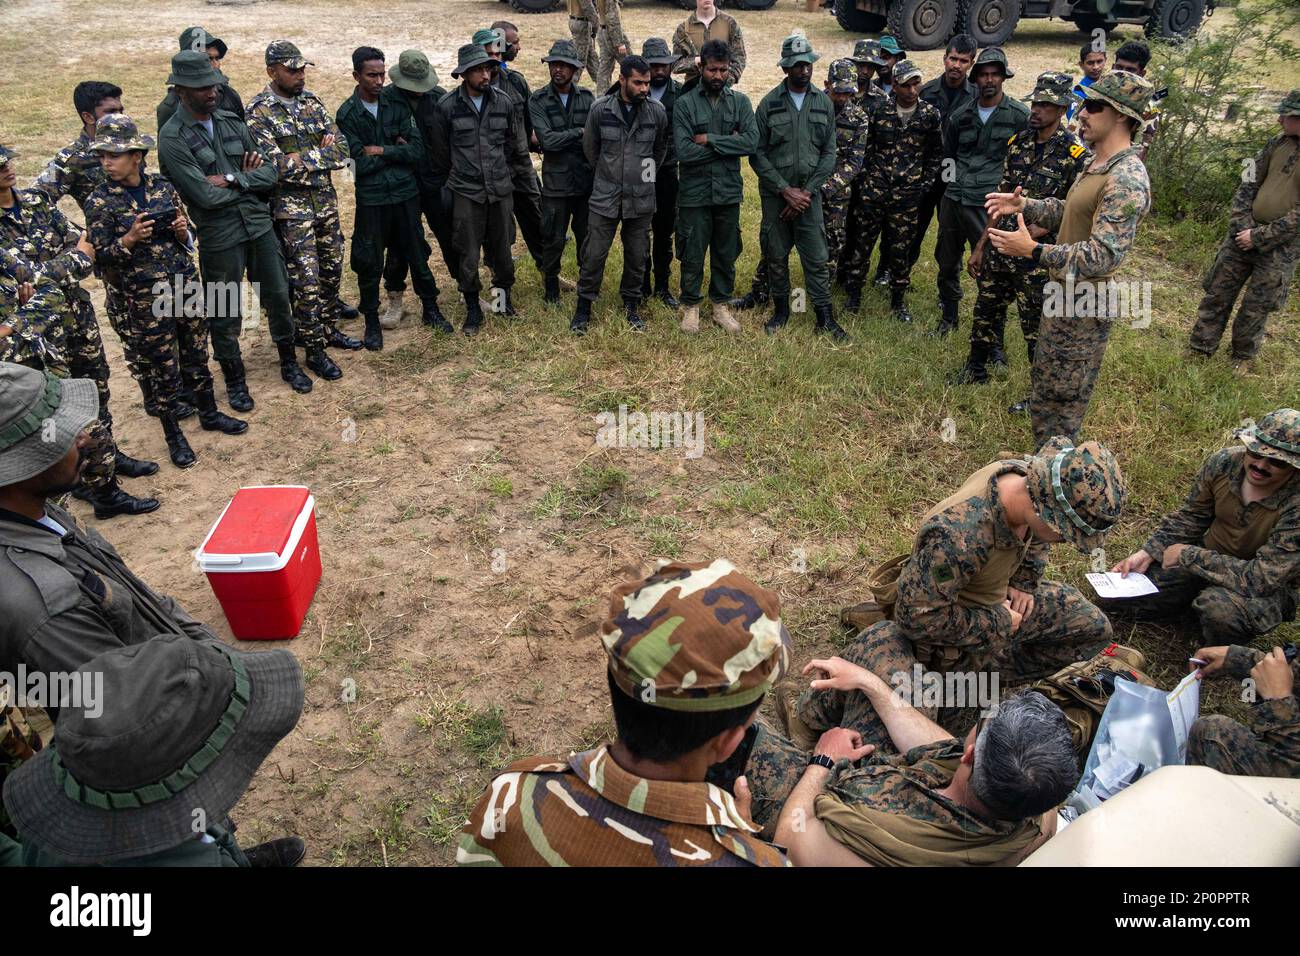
[797,48]
[117,133]
[197,38]
[1076,491]
[695,637]
[842,77]
[282,51]
[469,56]
[1276,436]
[1126,92]
[889,45]
[487,37]
[413,73]
[6,154]
[993,54]
[1291,105]
[905,71]
[655,50]
[867,51]
[1052,87]
[563,51]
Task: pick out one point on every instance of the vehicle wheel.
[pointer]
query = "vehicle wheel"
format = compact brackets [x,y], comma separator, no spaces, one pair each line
[1088,22]
[534,6]
[751,4]
[857,21]
[990,22]
[922,24]
[1171,19]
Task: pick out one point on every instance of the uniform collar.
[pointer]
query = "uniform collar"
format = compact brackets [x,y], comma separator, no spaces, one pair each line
[1122,154]
[19,531]
[696,804]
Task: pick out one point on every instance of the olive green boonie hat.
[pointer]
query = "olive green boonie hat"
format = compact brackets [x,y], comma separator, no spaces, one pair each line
[193,69]
[1052,87]
[695,637]
[493,39]
[1291,105]
[1126,92]
[117,133]
[412,72]
[993,54]
[197,38]
[797,49]
[842,77]
[905,71]
[867,51]
[287,54]
[182,726]
[564,51]
[1076,491]
[469,56]
[40,419]
[1276,436]
[655,50]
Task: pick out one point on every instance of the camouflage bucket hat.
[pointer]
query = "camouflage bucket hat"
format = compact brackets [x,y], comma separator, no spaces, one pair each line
[412,72]
[40,419]
[695,637]
[117,133]
[655,50]
[564,51]
[1276,436]
[797,49]
[493,40]
[199,39]
[193,69]
[469,56]
[1126,92]
[282,51]
[842,77]
[6,154]
[867,51]
[184,726]
[905,71]
[889,45]
[1291,105]
[1052,87]
[1076,491]
[993,54]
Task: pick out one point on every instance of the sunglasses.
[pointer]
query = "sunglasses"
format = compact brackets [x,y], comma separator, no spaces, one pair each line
[1093,106]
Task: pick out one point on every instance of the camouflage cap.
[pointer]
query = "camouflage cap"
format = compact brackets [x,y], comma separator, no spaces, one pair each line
[867,51]
[197,38]
[491,38]
[655,50]
[117,133]
[286,53]
[695,637]
[1291,105]
[1276,436]
[889,45]
[1126,92]
[6,154]
[563,51]
[1076,491]
[993,54]
[413,73]
[905,71]
[1052,87]
[842,77]
[797,48]
[469,56]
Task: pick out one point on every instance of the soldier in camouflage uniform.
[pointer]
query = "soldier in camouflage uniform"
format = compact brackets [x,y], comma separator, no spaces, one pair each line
[904,150]
[1096,224]
[1261,248]
[866,59]
[1043,161]
[614,44]
[292,127]
[1231,553]
[692,650]
[584,25]
[143,244]
[850,147]
[1269,744]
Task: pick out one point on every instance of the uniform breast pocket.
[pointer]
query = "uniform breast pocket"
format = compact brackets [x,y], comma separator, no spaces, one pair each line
[464,131]
[205,157]
[610,132]
[780,130]
[234,149]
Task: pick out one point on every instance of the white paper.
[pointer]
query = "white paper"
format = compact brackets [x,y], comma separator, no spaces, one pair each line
[1109,584]
[1113,776]
[1184,708]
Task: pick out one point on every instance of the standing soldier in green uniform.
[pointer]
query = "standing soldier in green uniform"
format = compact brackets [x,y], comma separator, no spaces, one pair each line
[559,114]
[794,157]
[291,126]
[1095,224]
[850,148]
[1261,248]
[713,127]
[707,23]
[904,151]
[1043,160]
[212,160]
[664,90]
[201,41]
[692,651]
[975,138]
[626,139]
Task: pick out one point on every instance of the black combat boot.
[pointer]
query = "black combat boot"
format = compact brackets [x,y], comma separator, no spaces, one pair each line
[128,467]
[337,340]
[581,317]
[290,370]
[1019,408]
[508,305]
[975,371]
[753,299]
[284,852]
[432,317]
[826,323]
[345,312]
[373,338]
[665,295]
[947,321]
[780,315]
[882,276]
[215,421]
[552,293]
[997,357]
[236,388]
[634,320]
[111,501]
[323,365]
[852,299]
[897,302]
[181,454]
[473,316]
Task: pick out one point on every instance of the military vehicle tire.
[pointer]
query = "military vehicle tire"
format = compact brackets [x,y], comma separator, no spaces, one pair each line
[990,22]
[922,24]
[752,4]
[1172,19]
[534,6]
[854,20]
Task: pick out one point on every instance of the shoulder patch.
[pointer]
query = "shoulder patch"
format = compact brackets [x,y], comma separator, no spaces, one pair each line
[1077,150]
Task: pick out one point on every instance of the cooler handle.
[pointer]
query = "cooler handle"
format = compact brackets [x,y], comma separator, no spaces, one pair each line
[214,559]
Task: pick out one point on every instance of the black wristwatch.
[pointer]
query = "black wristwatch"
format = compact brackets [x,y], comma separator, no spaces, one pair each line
[230,179]
[822,760]
[1037,254]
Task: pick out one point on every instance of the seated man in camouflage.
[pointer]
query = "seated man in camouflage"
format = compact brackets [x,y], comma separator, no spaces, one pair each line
[1269,744]
[692,650]
[987,800]
[1231,553]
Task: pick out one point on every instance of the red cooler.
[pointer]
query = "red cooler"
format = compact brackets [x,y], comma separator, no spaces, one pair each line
[263,562]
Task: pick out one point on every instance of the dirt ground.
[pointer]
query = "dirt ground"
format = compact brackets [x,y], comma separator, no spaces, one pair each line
[470,528]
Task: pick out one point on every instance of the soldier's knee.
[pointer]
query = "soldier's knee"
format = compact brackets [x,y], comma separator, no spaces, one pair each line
[1211,739]
[1220,614]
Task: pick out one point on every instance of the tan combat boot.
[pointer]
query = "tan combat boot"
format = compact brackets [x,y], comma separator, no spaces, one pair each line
[787,699]
[722,315]
[392,315]
[568,285]
[691,319]
[859,617]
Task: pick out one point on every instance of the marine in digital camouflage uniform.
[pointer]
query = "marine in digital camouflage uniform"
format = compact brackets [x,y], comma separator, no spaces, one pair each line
[1268,744]
[691,641]
[850,147]
[293,128]
[1267,205]
[1043,162]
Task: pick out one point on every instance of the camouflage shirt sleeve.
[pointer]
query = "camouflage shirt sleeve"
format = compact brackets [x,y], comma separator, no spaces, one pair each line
[70,266]
[107,241]
[1046,213]
[1277,721]
[737,54]
[1030,572]
[1275,566]
[55,179]
[1241,215]
[1190,522]
[614,25]
[848,161]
